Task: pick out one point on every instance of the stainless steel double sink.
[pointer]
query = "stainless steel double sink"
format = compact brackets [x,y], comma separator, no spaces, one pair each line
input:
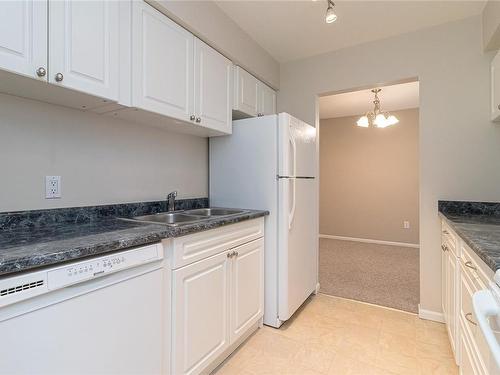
[188,216]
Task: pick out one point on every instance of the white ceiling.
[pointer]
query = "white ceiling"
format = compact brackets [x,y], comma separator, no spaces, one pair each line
[392,98]
[291,30]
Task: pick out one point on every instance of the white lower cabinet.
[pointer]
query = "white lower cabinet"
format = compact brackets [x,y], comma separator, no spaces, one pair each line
[464,273]
[247,288]
[200,304]
[216,301]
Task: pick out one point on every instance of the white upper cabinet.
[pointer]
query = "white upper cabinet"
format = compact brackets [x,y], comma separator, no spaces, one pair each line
[23,37]
[267,100]
[495,88]
[245,92]
[251,96]
[84,46]
[162,64]
[213,88]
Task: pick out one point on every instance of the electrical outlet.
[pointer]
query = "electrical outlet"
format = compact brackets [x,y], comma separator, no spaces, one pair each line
[406,224]
[52,187]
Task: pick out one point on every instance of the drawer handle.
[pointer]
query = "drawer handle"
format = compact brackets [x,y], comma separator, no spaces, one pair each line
[468,317]
[445,232]
[470,265]
[444,247]
[232,254]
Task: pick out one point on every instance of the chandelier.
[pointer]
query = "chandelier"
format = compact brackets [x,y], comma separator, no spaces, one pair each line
[377,117]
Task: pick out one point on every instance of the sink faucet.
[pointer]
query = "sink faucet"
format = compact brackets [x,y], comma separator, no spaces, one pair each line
[171,201]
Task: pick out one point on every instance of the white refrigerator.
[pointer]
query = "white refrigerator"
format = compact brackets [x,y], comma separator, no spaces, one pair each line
[269,163]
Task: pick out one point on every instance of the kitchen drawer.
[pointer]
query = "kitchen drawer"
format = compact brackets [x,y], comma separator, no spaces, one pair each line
[184,250]
[449,239]
[477,271]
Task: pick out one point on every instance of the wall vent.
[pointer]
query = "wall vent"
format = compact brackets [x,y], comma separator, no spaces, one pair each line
[20,288]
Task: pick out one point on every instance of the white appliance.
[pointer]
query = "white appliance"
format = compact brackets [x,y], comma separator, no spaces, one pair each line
[486,305]
[98,316]
[269,163]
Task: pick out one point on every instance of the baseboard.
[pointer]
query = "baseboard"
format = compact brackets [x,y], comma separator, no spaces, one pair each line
[367,240]
[430,315]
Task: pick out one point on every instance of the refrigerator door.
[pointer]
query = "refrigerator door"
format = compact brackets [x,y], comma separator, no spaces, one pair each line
[297,238]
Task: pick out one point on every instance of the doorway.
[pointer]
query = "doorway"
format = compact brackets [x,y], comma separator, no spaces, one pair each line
[369,196]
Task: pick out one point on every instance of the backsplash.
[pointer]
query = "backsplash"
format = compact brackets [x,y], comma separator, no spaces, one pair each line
[469,208]
[87,214]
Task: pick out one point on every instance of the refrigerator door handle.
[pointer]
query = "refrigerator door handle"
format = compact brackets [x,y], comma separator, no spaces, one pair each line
[294,171]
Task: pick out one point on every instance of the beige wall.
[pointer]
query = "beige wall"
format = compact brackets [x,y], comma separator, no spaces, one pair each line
[369,179]
[459,146]
[491,25]
[209,23]
[100,160]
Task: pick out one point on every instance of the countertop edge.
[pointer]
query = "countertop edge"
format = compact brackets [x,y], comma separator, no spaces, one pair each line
[491,263]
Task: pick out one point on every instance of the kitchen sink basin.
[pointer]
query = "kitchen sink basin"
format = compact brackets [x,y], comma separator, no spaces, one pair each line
[187,217]
[214,212]
[171,218]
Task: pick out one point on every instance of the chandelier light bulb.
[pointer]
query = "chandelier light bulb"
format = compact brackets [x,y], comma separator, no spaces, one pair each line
[363,122]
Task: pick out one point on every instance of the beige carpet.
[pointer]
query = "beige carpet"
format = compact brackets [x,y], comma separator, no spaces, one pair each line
[379,274]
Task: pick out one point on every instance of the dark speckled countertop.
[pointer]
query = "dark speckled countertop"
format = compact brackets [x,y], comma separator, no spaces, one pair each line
[36,239]
[478,224]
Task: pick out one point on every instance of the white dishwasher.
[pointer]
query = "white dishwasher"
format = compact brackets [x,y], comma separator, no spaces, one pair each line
[98,316]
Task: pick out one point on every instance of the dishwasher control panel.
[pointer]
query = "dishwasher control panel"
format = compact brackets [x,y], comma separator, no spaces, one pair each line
[86,270]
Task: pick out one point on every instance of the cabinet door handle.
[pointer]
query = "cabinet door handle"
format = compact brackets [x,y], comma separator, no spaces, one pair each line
[40,72]
[468,317]
[229,255]
[470,265]
[192,117]
[59,77]
[236,254]
[444,247]
[445,232]
[498,106]
[198,119]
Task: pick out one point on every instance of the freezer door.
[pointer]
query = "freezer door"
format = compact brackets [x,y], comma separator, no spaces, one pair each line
[298,245]
[296,148]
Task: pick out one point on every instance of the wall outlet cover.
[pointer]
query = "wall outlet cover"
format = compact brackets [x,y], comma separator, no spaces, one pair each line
[52,187]
[406,224]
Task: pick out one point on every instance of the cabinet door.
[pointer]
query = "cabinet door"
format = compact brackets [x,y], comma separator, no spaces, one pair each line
[83,46]
[246,89]
[23,37]
[162,64]
[213,88]
[200,314]
[444,283]
[267,100]
[495,88]
[247,287]
[452,298]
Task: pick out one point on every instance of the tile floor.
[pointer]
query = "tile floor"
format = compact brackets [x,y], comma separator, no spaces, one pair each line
[330,335]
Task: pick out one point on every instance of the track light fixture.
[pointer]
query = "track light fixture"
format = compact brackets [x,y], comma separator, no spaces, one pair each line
[330,15]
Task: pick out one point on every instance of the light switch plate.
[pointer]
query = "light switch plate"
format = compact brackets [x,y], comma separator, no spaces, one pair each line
[52,187]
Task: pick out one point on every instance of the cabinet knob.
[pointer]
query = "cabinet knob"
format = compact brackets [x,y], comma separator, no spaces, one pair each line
[236,254]
[260,114]
[498,106]
[192,117]
[40,72]
[59,77]
[229,255]
[198,119]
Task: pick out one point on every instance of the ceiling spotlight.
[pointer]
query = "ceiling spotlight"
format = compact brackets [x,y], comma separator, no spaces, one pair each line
[330,15]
